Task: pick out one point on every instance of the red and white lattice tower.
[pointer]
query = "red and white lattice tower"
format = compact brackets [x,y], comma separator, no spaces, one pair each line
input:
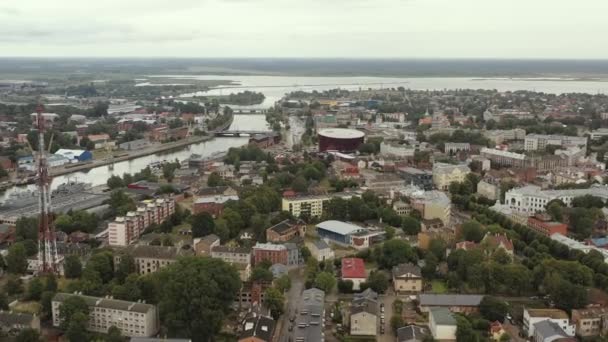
[47,247]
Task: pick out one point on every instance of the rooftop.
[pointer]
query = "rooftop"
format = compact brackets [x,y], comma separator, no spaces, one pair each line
[284,226]
[548,329]
[261,327]
[339,227]
[450,300]
[353,268]
[341,133]
[152,252]
[443,316]
[227,249]
[412,333]
[403,270]
[108,303]
[551,313]
[14,318]
[269,246]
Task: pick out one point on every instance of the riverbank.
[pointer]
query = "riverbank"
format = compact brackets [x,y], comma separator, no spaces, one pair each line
[130,155]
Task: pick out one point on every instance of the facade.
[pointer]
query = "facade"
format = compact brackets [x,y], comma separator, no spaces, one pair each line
[420,178]
[559,317]
[294,257]
[488,189]
[432,205]
[598,133]
[591,321]
[542,224]
[442,324]
[311,206]
[500,136]
[232,255]
[310,319]
[407,278]
[464,303]
[445,174]
[257,328]
[353,269]
[286,230]
[149,259]
[320,250]
[12,321]
[363,317]
[453,148]
[276,254]
[535,142]
[338,232]
[134,145]
[384,183]
[502,158]
[531,198]
[132,318]
[397,150]
[126,230]
[402,208]
[340,139]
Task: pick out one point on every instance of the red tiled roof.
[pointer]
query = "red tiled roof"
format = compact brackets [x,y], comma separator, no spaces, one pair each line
[353,268]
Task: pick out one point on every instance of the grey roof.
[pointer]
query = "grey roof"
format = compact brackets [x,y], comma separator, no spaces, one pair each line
[309,320]
[412,333]
[547,329]
[443,316]
[152,339]
[402,270]
[8,319]
[339,227]
[152,252]
[320,244]
[227,249]
[285,226]
[261,327]
[212,191]
[211,238]
[364,305]
[450,300]
[107,303]
[367,294]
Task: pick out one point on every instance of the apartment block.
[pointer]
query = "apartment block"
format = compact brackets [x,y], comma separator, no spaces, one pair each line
[311,206]
[445,174]
[132,318]
[125,230]
[232,255]
[276,254]
[149,259]
[535,142]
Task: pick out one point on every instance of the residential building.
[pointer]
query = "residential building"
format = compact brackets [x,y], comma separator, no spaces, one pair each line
[500,158]
[442,324]
[311,206]
[500,136]
[320,250]
[498,241]
[542,224]
[286,230]
[364,315]
[203,246]
[407,278]
[533,316]
[131,318]
[489,189]
[549,331]
[535,142]
[294,258]
[101,140]
[310,319]
[384,183]
[397,150]
[11,322]
[590,321]
[232,255]
[264,140]
[532,198]
[430,204]
[464,303]
[126,230]
[445,174]
[402,208]
[420,178]
[598,133]
[413,333]
[498,114]
[453,148]
[353,269]
[149,259]
[276,254]
[257,328]
[573,244]
[214,206]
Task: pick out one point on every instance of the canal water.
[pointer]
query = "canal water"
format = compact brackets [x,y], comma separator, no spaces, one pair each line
[100,175]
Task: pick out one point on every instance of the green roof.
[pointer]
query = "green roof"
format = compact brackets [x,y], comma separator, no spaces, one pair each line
[443,316]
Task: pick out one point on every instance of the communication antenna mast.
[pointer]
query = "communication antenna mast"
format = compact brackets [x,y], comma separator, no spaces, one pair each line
[47,247]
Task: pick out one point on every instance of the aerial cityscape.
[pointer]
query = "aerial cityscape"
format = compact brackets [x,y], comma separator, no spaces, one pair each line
[273,171]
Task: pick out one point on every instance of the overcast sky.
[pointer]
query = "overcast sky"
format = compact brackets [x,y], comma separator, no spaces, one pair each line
[305,28]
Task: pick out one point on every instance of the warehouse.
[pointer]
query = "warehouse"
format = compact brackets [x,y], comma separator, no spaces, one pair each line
[338,232]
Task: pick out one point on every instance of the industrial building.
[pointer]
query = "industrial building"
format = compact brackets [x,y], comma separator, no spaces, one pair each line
[338,231]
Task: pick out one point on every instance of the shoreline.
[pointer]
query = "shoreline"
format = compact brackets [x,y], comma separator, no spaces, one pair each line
[131,155]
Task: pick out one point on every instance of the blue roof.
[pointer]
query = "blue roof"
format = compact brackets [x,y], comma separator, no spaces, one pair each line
[600,241]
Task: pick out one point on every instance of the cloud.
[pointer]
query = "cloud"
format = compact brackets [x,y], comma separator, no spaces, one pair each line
[9,11]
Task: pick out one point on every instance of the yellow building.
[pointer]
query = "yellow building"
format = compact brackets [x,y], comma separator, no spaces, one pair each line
[311,206]
[445,174]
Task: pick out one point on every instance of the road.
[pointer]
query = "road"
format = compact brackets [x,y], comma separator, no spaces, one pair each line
[292,298]
[386,299]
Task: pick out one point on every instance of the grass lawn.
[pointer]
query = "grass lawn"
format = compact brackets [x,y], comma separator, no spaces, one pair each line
[439,286]
[28,307]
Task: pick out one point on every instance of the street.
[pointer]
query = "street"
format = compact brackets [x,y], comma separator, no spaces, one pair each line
[386,299]
[292,297]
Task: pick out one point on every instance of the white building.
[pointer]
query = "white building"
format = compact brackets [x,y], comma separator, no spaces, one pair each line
[536,142]
[132,318]
[560,317]
[442,324]
[531,198]
[598,133]
[320,250]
